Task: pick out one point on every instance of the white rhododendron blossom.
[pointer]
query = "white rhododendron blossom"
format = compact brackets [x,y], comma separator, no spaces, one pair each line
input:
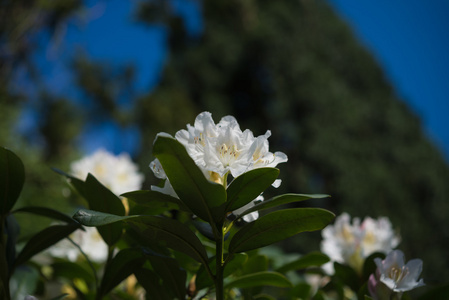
[393,273]
[351,244]
[118,173]
[89,240]
[222,149]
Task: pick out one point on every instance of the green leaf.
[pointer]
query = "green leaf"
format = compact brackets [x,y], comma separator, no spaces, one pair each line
[156,201]
[44,239]
[249,186]
[12,177]
[172,233]
[347,275]
[150,282]
[204,198]
[260,279]
[46,212]
[203,279]
[278,226]
[70,270]
[306,261]
[119,268]
[280,200]
[173,277]
[102,199]
[24,282]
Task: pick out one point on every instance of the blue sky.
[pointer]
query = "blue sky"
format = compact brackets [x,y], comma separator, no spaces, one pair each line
[409,38]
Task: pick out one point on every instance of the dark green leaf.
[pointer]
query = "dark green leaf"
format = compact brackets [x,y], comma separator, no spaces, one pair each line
[203,279]
[46,212]
[280,200]
[70,270]
[173,277]
[125,263]
[306,261]
[249,186]
[256,263]
[369,266]
[12,177]
[172,233]
[347,275]
[4,275]
[260,279]
[44,239]
[278,226]
[156,201]
[150,282]
[60,297]
[204,198]
[102,199]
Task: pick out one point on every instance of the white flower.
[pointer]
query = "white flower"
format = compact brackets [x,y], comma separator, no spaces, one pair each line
[222,149]
[351,244]
[89,241]
[118,173]
[395,275]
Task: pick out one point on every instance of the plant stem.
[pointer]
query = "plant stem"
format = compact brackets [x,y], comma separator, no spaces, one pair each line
[219,291]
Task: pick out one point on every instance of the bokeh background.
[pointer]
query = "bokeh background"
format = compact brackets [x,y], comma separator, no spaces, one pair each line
[356,94]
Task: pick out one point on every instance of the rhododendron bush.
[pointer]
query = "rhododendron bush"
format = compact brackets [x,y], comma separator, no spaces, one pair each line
[207,231]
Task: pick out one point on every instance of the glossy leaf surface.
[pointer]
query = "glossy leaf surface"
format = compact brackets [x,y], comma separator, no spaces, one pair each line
[280,200]
[260,279]
[249,186]
[278,226]
[203,197]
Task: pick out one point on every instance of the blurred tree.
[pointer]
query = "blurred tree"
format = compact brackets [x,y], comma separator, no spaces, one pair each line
[295,68]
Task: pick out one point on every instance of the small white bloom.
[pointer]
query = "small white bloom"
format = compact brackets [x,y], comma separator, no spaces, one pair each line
[89,241]
[397,275]
[393,275]
[351,244]
[118,173]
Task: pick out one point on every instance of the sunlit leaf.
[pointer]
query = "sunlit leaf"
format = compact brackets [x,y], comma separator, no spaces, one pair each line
[249,186]
[12,177]
[71,270]
[280,200]
[278,226]
[203,197]
[260,279]
[306,261]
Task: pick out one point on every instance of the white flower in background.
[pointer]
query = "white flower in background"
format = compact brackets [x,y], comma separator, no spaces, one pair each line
[89,241]
[351,244]
[251,216]
[393,273]
[118,173]
[221,149]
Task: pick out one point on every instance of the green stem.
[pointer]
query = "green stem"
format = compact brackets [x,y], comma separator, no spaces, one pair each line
[219,290]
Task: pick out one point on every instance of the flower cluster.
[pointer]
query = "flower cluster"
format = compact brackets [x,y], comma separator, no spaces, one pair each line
[351,244]
[222,149]
[118,173]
